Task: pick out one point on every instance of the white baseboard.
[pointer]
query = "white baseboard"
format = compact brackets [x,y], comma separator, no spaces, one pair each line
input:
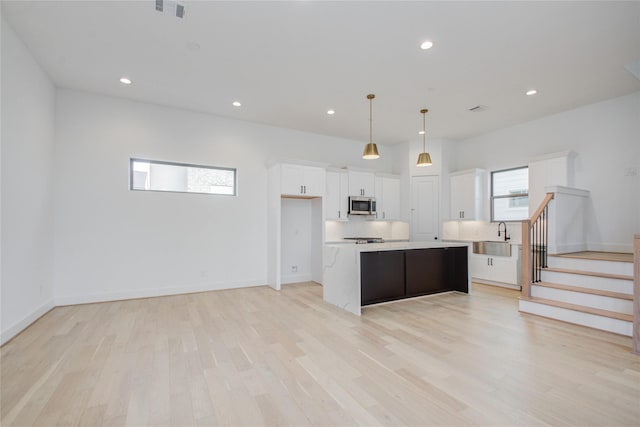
[296,278]
[154,292]
[492,283]
[21,325]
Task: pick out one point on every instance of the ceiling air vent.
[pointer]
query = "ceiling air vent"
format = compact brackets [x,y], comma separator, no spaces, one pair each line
[477,108]
[171,7]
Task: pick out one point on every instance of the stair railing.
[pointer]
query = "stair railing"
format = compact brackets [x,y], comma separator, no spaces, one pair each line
[535,234]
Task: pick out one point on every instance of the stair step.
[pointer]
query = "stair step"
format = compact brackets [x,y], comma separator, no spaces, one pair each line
[611,284]
[599,292]
[580,308]
[590,273]
[596,265]
[600,256]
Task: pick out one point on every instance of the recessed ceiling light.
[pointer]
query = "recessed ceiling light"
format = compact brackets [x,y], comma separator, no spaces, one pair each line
[125,80]
[421,132]
[236,104]
[428,44]
[331,112]
[531,92]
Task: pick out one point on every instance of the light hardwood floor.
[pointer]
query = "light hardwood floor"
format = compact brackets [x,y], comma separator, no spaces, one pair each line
[260,357]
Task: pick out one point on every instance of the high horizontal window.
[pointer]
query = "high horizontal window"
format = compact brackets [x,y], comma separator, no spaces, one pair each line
[510,194]
[154,175]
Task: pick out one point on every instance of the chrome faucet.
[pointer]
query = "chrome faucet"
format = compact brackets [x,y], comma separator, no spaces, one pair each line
[506,236]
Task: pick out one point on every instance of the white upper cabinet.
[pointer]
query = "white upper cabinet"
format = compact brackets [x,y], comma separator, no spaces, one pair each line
[388,197]
[305,181]
[468,194]
[361,184]
[337,195]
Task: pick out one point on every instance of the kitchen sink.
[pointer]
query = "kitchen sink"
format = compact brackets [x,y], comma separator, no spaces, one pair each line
[492,248]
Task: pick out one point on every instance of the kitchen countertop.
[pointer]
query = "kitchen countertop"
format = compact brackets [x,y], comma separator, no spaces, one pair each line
[398,246]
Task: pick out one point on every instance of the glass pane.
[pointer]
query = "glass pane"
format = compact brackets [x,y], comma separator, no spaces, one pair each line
[510,182]
[162,176]
[217,181]
[511,208]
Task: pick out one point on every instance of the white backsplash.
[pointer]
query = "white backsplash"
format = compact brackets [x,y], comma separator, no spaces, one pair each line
[336,231]
[480,230]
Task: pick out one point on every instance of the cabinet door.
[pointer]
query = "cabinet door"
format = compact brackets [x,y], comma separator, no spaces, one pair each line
[467,195]
[381,276]
[390,198]
[425,270]
[292,180]
[479,266]
[496,269]
[361,184]
[458,269]
[314,181]
[504,270]
[462,196]
[336,201]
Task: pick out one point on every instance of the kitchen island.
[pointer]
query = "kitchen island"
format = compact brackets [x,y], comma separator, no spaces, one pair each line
[356,275]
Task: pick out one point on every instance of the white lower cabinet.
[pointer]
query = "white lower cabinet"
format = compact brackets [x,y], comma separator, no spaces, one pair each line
[494,268]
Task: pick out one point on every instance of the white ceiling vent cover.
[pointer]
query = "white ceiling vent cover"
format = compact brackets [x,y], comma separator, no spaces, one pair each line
[171,7]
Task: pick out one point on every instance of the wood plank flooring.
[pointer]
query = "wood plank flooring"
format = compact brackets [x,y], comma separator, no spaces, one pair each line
[603,256]
[260,357]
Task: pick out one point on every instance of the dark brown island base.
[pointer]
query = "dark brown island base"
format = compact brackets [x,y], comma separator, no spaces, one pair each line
[358,275]
[392,275]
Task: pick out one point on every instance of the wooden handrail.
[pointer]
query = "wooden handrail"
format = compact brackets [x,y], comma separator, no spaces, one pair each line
[527,255]
[544,204]
[636,294]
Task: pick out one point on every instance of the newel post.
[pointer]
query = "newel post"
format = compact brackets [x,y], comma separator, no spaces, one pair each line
[525,270]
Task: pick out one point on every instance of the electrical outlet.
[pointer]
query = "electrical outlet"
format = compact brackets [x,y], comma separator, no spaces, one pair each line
[294,268]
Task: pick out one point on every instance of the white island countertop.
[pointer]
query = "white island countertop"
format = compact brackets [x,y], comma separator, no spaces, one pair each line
[341,267]
[397,246]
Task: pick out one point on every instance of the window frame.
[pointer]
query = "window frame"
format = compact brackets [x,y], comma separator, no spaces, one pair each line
[514,196]
[187,165]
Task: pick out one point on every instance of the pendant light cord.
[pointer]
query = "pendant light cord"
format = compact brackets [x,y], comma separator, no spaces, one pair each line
[370,120]
[424,132]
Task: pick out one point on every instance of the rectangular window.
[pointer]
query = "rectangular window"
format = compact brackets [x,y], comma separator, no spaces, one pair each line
[154,175]
[510,194]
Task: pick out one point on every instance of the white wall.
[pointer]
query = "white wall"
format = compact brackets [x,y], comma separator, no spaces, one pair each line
[27,162]
[115,243]
[605,137]
[296,240]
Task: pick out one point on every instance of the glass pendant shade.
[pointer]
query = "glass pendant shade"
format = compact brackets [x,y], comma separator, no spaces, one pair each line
[370,151]
[424,159]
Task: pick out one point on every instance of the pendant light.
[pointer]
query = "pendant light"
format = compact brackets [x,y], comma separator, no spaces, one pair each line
[424,159]
[370,150]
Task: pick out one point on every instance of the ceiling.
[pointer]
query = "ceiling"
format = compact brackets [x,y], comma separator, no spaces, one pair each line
[289,62]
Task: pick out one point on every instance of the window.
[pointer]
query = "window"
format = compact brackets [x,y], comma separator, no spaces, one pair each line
[510,194]
[153,175]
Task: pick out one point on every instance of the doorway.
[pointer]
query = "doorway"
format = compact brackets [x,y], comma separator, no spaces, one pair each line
[425,208]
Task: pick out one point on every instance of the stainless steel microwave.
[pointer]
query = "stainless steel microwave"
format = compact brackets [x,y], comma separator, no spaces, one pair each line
[362,205]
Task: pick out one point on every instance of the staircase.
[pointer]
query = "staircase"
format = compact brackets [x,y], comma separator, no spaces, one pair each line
[592,289]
